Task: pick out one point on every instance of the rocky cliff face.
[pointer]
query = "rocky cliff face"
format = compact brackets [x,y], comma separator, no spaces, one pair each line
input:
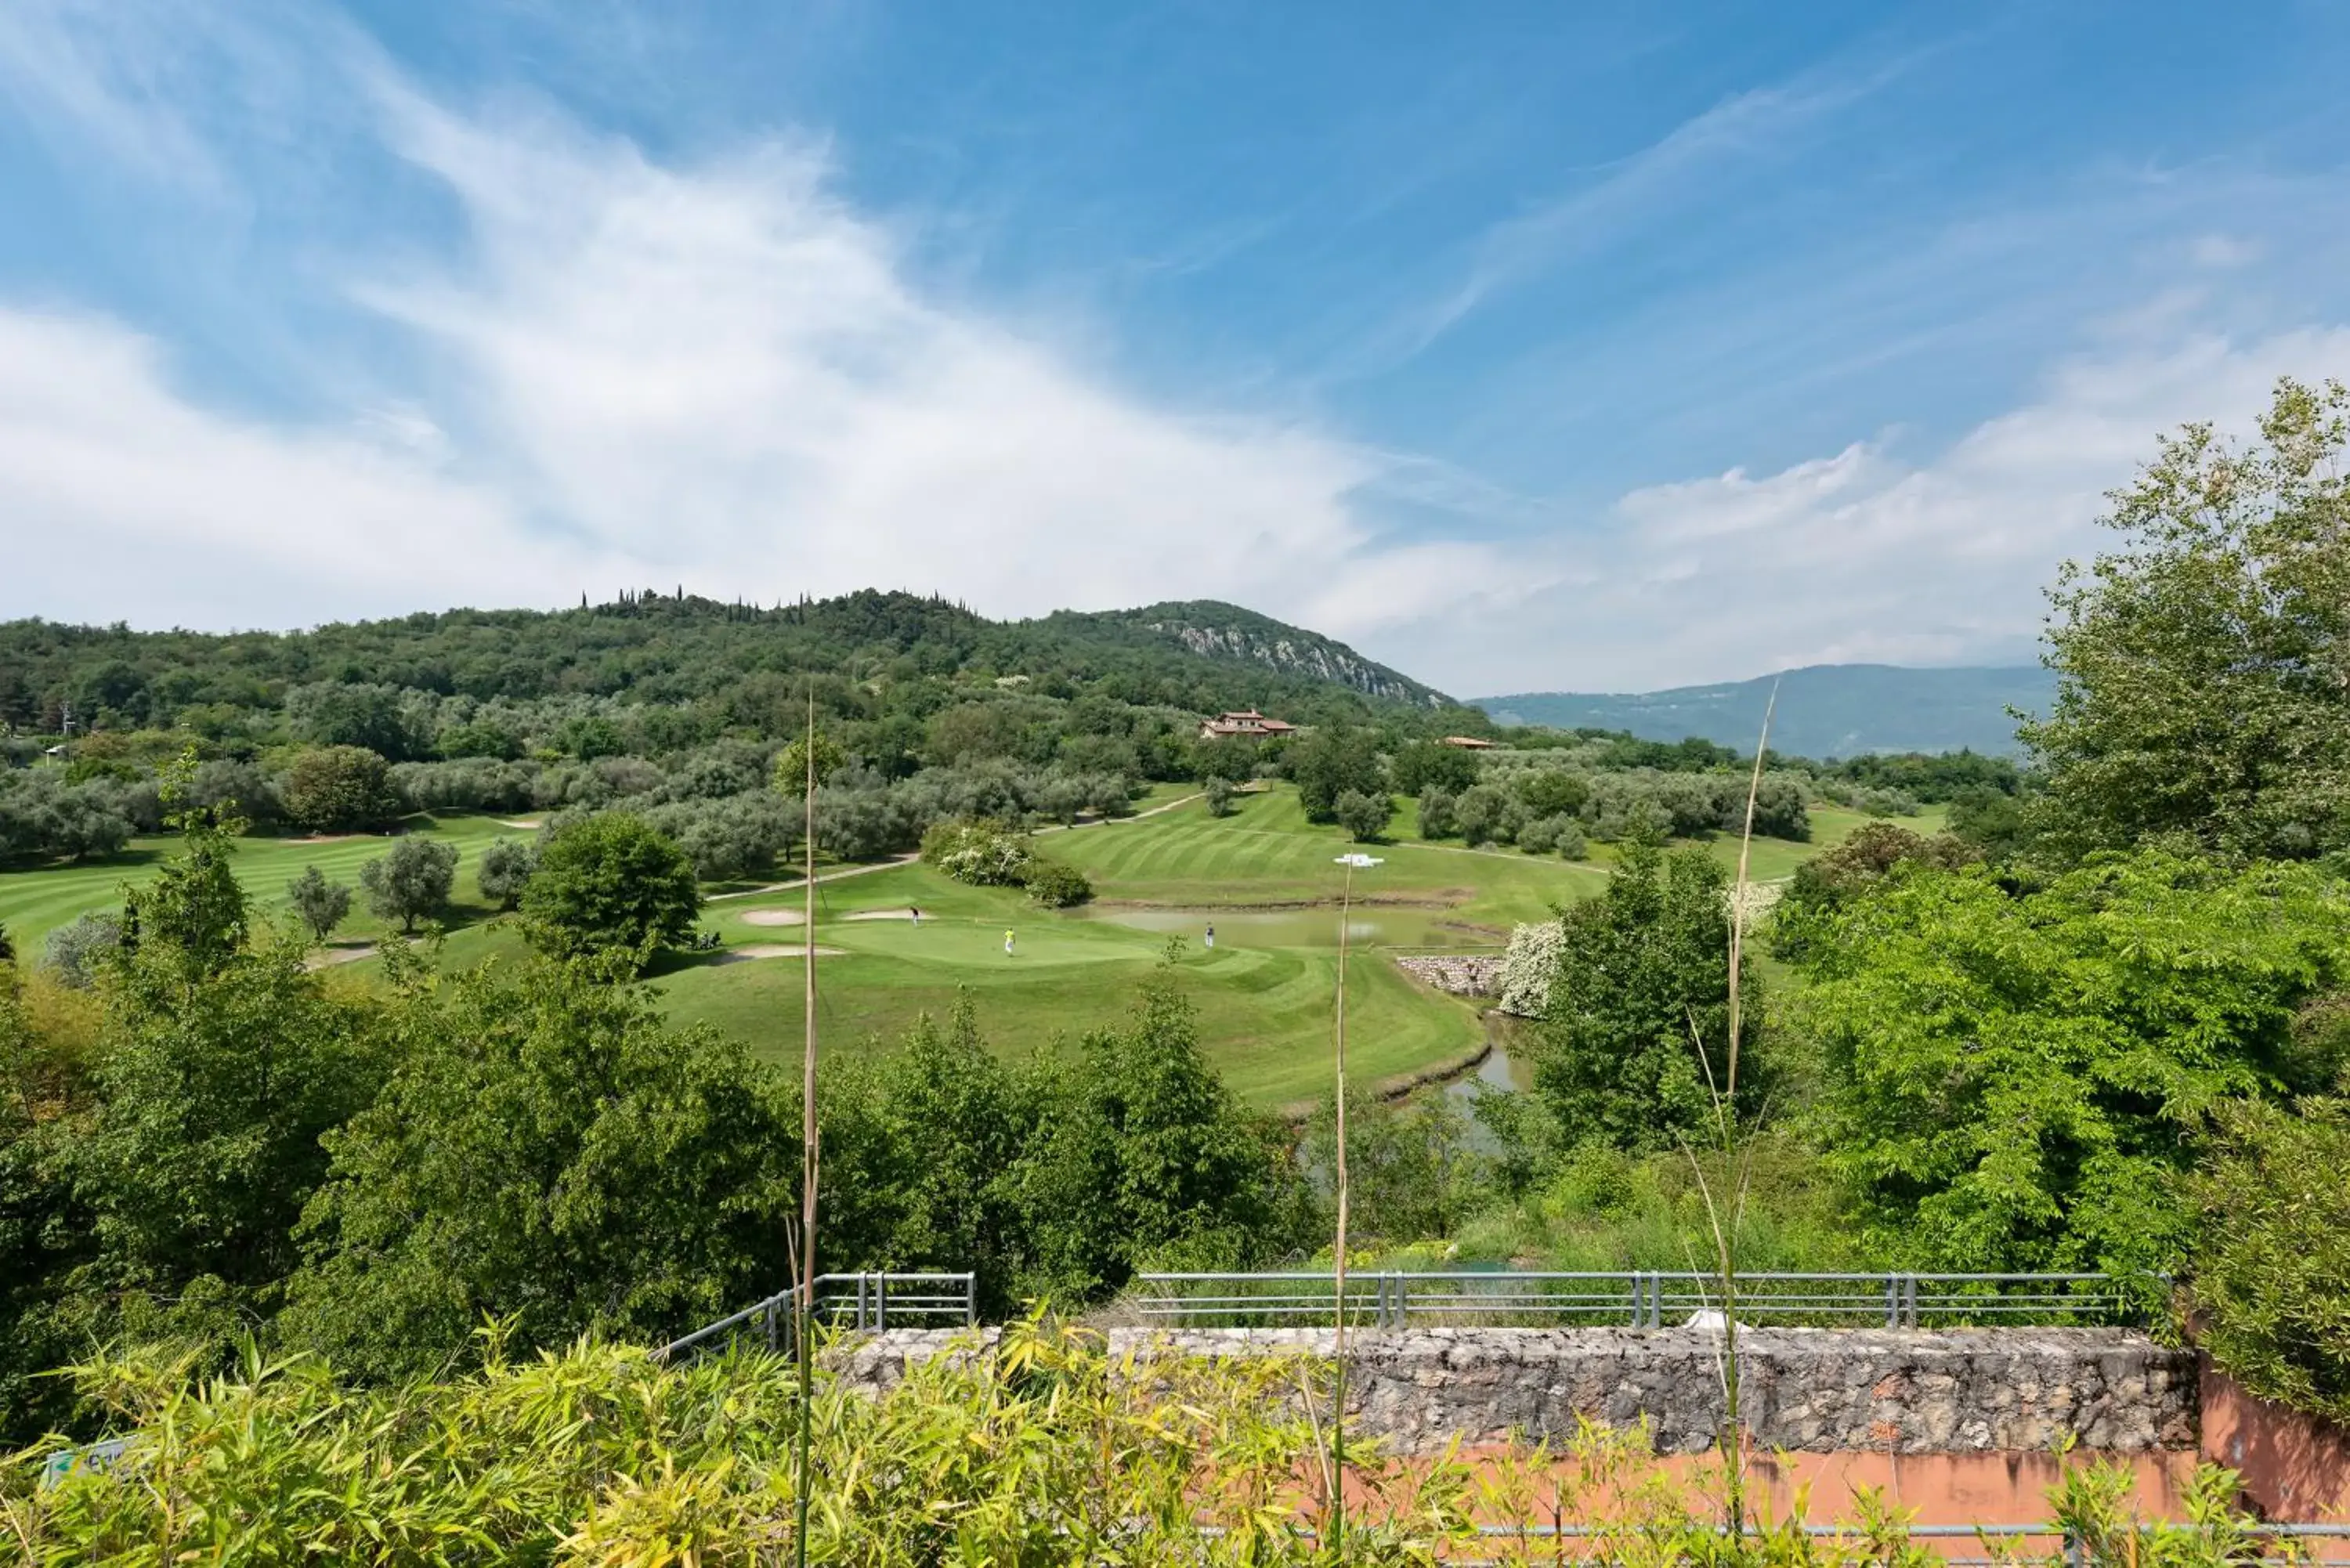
[1297,654]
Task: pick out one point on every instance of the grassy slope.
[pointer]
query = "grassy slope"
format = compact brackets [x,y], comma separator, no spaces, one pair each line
[1267,852]
[33,903]
[1264,1012]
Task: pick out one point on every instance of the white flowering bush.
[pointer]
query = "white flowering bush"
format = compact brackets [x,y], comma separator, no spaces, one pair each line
[1758,900]
[1527,968]
[984,854]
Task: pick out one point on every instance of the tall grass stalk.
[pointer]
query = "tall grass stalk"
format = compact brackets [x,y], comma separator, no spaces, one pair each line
[1338,1261]
[1724,1093]
[808,1144]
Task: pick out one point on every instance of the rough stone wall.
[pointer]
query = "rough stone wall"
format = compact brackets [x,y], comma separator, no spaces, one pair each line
[1809,1390]
[1461,974]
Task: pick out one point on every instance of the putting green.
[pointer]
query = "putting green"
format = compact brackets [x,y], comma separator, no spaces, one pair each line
[1264,1010]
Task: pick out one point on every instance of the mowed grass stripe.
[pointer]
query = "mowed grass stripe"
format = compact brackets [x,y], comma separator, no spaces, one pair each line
[36,902]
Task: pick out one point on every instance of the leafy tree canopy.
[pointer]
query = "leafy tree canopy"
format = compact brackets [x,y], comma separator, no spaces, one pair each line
[790,770]
[504,873]
[1332,761]
[547,1150]
[1642,978]
[2204,666]
[337,789]
[2018,1081]
[193,912]
[1365,814]
[2271,1268]
[610,883]
[319,904]
[1827,882]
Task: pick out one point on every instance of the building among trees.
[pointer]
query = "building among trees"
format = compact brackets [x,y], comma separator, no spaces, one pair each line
[1248,723]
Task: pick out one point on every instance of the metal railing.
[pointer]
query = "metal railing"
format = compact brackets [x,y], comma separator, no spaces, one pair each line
[860,1301]
[1643,1299]
[2302,1544]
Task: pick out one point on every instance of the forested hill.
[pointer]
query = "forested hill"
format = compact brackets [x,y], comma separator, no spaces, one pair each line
[1216,631]
[674,650]
[1824,710]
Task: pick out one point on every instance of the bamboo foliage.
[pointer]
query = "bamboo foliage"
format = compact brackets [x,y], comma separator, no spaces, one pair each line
[1045,1448]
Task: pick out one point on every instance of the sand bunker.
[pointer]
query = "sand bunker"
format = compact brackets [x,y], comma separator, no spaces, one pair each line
[532,826]
[772,917]
[880,915]
[772,949]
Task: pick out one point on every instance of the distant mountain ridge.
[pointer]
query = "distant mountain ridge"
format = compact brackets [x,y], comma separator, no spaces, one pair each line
[1214,629]
[1824,710]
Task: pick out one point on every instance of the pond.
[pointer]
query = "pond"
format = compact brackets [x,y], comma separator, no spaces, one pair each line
[1498,1070]
[1373,927]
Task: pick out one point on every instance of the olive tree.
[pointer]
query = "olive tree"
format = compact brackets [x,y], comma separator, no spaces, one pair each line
[1365,813]
[319,904]
[505,871]
[411,881]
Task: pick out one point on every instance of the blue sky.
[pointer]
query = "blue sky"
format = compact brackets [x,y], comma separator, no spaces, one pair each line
[1526,347]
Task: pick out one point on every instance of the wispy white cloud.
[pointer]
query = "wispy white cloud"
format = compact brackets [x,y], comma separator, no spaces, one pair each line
[1866,554]
[1613,202]
[125,500]
[718,373]
[177,95]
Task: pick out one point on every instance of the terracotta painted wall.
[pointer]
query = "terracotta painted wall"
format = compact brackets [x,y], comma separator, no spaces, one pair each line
[1939,1489]
[2294,1466]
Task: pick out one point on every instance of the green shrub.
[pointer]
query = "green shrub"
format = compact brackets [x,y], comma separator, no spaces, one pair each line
[612,884]
[1056,884]
[2270,1270]
[1552,834]
[75,950]
[1041,1448]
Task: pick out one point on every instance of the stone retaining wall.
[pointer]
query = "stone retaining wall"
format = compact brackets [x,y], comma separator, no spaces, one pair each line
[1899,1391]
[1460,974]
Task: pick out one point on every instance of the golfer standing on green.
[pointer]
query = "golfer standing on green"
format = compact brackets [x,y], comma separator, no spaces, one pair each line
[1007,943]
